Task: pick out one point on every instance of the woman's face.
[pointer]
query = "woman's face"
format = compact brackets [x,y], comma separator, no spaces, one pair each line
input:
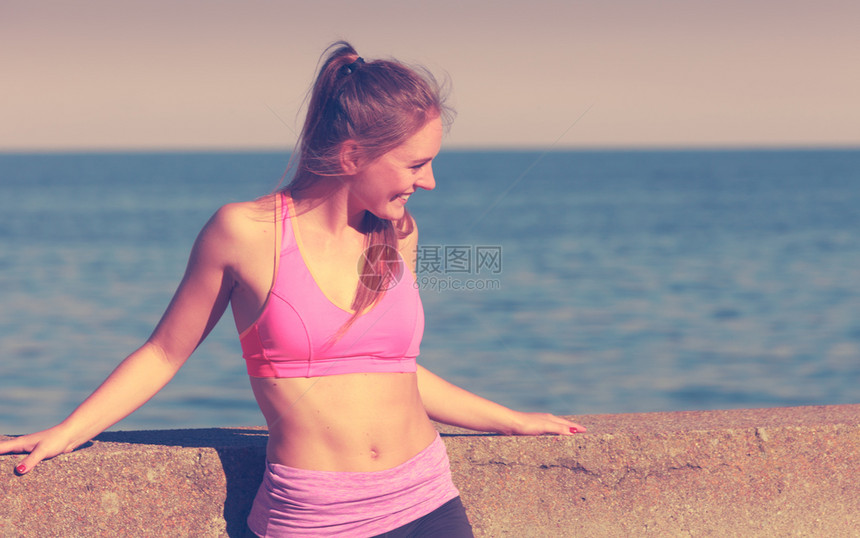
[384,185]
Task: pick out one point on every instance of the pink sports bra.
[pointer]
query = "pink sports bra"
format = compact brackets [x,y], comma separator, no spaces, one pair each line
[295,334]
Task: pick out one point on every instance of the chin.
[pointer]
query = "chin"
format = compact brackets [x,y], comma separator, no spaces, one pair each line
[390,213]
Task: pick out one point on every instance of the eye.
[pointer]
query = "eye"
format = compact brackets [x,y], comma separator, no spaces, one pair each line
[419,166]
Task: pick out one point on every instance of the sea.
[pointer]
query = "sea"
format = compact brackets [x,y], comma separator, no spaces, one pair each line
[573,282]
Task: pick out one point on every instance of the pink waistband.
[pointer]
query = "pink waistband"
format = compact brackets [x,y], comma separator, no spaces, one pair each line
[298,502]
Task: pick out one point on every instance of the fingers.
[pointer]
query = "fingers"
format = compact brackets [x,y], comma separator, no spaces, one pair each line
[562,426]
[18,445]
[567,427]
[576,428]
[36,455]
[545,423]
[40,447]
[28,463]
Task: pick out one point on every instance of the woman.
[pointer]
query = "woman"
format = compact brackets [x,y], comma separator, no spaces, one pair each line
[330,344]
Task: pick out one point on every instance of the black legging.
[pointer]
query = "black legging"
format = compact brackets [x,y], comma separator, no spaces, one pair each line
[449,521]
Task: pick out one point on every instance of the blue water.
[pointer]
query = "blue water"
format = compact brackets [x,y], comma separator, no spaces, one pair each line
[615,282]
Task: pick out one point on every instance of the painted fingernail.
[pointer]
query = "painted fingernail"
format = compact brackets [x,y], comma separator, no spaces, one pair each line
[21,469]
[573,430]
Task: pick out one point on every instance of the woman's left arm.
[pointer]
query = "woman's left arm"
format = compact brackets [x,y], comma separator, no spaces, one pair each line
[452,405]
[449,404]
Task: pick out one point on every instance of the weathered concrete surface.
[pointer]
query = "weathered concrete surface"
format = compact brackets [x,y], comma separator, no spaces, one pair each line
[766,472]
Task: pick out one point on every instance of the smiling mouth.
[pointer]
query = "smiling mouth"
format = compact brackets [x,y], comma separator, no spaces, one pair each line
[403,197]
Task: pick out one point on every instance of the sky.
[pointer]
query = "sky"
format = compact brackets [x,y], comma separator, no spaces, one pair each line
[230,74]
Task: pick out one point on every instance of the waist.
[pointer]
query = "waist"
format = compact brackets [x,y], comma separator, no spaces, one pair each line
[428,458]
[354,422]
[298,502]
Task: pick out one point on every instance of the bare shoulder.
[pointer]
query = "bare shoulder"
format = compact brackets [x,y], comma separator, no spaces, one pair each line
[238,232]
[242,220]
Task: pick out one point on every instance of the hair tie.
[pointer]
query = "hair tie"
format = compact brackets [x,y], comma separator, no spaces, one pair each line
[353,67]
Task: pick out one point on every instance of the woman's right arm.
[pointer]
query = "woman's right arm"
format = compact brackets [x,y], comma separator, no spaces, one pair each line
[196,307]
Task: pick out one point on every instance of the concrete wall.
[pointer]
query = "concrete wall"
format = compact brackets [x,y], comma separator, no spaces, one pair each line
[765,472]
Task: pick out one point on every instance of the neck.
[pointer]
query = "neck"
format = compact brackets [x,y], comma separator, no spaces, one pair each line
[327,203]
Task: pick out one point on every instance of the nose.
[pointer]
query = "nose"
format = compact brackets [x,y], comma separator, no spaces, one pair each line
[427,181]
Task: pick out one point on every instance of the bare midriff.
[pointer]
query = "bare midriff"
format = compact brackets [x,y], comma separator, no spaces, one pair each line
[349,423]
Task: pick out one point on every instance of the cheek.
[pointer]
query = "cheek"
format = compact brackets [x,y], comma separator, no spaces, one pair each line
[396,181]
[408,178]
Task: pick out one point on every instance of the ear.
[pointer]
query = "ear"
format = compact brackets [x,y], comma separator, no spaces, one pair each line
[349,157]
